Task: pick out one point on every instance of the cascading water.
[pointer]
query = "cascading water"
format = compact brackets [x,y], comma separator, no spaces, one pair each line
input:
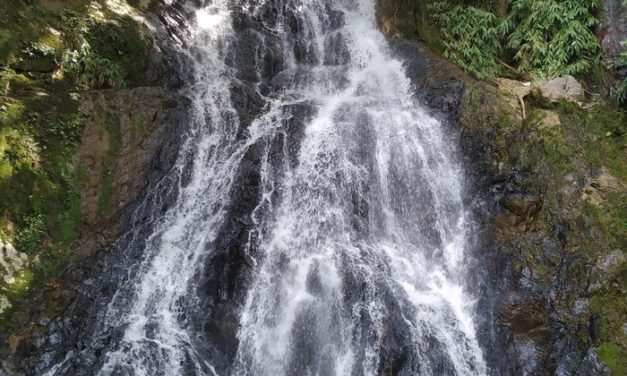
[356,235]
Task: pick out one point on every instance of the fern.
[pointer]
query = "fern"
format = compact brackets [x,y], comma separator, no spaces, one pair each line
[92,70]
[470,38]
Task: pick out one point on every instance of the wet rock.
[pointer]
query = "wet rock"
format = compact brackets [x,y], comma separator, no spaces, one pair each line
[592,365]
[248,103]
[580,307]
[525,319]
[613,28]
[336,50]
[567,365]
[131,140]
[565,87]
[529,357]
[439,84]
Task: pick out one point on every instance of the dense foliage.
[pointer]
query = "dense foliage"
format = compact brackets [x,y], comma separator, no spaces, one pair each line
[470,38]
[541,38]
[552,37]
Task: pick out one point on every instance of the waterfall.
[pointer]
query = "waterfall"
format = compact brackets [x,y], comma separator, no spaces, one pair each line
[353,221]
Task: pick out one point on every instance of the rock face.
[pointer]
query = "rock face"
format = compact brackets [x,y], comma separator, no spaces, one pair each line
[123,134]
[37,58]
[130,141]
[613,27]
[565,87]
[535,255]
[613,32]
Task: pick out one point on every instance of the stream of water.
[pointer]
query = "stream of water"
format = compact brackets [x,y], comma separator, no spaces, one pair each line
[358,236]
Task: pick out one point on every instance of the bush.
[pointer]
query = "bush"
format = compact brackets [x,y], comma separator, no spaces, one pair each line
[470,38]
[552,37]
[92,70]
[30,235]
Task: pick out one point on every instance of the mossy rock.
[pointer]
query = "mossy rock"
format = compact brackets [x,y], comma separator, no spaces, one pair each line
[36,57]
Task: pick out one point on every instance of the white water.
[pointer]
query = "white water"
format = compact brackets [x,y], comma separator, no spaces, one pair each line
[366,226]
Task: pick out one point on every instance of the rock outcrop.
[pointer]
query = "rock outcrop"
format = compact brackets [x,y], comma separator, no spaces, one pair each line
[130,141]
[539,241]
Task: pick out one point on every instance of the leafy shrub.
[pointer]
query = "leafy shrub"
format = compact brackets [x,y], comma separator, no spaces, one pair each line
[470,38]
[552,37]
[91,69]
[621,93]
[30,235]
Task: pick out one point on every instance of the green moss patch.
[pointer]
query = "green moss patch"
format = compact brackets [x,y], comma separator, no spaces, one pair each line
[50,52]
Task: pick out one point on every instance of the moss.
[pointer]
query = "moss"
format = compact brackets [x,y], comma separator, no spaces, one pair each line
[41,125]
[612,355]
[22,283]
[138,128]
[598,132]
[542,156]
[108,172]
[556,149]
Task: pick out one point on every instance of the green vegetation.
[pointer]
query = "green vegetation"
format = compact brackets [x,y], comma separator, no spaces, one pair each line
[609,353]
[525,38]
[50,52]
[621,92]
[30,235]
[551,156]
[550,38]
[470,38]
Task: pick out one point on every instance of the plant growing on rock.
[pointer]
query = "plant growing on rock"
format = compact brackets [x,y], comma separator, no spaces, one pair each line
[91,69]
[30,235]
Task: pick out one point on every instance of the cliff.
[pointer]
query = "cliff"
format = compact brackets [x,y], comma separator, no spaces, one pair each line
[549,190]
[90,117]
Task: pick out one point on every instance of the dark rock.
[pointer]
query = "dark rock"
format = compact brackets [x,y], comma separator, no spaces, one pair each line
[613,29]
[591,365]
[522,205]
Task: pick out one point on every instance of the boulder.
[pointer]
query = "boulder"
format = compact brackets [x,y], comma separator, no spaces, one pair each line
[565,87]
[611,262]
[522,204]
[598,184]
